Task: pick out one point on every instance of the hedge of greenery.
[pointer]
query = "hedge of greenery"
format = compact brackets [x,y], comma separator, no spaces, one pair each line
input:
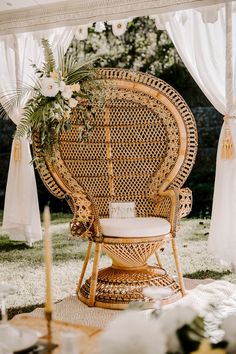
[142,48]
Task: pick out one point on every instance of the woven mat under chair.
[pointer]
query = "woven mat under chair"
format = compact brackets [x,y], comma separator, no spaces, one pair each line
[200,293]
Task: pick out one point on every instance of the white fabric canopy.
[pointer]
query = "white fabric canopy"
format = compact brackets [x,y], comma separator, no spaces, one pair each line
[201,39]
[21,211]
[74,12]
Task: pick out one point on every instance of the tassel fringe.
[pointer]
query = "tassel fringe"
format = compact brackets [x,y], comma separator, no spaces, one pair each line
[17,150]
[227,149]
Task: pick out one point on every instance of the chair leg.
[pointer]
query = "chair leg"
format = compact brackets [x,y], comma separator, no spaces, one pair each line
[178,266]
[158,258]
[93,283]
[85,264]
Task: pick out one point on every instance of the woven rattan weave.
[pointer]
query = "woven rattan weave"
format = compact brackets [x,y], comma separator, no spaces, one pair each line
[142,149]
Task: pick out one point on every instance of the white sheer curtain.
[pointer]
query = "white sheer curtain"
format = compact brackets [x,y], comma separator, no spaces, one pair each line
[21,218]
[199,35]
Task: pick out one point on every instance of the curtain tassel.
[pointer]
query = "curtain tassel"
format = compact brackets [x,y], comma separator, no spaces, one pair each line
[17,150]
[227,148]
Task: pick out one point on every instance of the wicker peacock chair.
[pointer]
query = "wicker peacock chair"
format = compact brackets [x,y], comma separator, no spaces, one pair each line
[142,149]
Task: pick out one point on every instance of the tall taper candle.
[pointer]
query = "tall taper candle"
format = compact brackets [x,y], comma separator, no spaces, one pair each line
[47,259]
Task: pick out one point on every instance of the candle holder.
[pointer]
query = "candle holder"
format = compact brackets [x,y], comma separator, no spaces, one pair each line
[48,317]
[47,339]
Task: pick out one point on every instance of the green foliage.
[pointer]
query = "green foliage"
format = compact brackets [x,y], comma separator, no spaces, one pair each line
[56,92]
[142,47]
[49,63]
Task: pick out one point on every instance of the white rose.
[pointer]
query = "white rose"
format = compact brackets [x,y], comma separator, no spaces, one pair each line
[73,102]
[49,88]
[62,86]
[67,93]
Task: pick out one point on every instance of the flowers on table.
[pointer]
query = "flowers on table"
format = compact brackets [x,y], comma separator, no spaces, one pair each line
[156,332]
[176,329]
[229,327]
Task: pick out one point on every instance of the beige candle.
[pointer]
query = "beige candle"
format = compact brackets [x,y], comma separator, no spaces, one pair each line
[47,259]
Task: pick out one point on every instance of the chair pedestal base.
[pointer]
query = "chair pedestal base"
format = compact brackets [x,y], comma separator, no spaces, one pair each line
[117,287]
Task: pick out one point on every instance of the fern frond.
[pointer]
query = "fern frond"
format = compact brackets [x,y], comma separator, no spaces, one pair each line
[49,64]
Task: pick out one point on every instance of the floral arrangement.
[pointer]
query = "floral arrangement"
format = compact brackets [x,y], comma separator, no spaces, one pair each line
[176,330]
[57,91]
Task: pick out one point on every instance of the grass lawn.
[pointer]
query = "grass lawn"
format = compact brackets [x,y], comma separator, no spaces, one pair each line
[23,266]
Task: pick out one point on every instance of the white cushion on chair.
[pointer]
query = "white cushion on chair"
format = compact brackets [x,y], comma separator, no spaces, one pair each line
[134,227]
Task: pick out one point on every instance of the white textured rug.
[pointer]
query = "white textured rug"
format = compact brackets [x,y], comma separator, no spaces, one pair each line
[219,293]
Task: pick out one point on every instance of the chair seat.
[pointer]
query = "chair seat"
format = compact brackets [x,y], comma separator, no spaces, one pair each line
[135,227]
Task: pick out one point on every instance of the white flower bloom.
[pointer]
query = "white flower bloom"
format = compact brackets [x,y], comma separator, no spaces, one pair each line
[73,102]
[58,116]
[229,326]
[137,64]
[118,26]
[132,332]
[75,87]
[49,88]
[67,93]
[172,319]
[82,32]
[157,292]
[62,86]
[99,27]
[54,75]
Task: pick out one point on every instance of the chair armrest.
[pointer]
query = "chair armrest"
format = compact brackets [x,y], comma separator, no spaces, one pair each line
[85,222]
[186,202]
[173,204]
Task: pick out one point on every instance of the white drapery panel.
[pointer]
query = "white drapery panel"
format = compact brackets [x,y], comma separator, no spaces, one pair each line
[21,218]
[202,47]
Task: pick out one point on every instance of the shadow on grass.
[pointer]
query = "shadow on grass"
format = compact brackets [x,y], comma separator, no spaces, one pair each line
[8,246]
[64,250]
[198,237]
[203,274]
[13,311]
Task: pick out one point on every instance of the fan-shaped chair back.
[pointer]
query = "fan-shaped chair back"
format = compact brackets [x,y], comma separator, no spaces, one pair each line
[144,140]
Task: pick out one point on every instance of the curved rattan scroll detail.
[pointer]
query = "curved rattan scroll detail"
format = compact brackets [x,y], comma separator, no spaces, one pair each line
[61,184]
[43,169]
